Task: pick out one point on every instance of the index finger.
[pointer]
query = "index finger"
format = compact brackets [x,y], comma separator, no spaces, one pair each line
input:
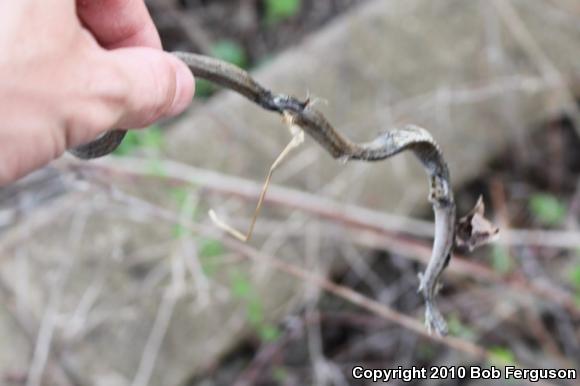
[119,23]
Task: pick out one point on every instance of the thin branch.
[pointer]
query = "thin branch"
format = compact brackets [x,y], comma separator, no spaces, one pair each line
[345,293]
[461,265]
[155,339]
[352,216]
[43,344]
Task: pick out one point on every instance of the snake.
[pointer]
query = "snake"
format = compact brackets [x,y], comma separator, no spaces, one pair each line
[387,144]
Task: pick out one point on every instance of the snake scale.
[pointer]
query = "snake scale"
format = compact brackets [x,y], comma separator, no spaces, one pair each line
[387,144]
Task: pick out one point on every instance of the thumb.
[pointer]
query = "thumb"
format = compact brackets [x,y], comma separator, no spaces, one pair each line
[157,84]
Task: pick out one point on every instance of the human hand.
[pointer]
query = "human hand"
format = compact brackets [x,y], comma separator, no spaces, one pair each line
[71,70]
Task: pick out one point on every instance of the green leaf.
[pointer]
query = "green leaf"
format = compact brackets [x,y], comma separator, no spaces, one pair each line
[210,252]
[230,51]
[547,209]
[279,374]
[269,333]
[501,261]
[278,10]
[240,285]
[179,195]
[150,138]
[180,231]
[129,144]
[575,276]
[255,312]
[211,248]
[501,356]
[457,328]
[204,88]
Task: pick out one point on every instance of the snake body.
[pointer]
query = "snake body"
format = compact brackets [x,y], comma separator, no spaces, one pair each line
[387,144]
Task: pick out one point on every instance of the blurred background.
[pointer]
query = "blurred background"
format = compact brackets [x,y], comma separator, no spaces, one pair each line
[111,272]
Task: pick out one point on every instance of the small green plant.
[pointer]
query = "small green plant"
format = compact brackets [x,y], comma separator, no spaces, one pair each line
[279,10]
[129,144]
[242,288]
[180,231]
[575,281]
[230,51]
[547,209]
[457,328]
[502,356]
[150,139]
[279,374]
[575,276]
[268,332]
[211,248]
[203,88]
[178,195]
[209,252]
[501,260]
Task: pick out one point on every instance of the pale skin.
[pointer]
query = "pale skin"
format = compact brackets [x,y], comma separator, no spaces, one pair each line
[71,70]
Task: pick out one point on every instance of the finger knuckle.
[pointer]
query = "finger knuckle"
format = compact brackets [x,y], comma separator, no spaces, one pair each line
[99,105]
[163,89]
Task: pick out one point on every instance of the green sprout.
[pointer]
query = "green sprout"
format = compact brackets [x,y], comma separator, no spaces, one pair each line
[279,10]
[548,209]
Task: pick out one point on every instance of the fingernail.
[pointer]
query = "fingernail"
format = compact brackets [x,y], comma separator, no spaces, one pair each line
[184,88]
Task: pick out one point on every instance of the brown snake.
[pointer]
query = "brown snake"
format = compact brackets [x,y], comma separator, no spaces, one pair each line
[317,126]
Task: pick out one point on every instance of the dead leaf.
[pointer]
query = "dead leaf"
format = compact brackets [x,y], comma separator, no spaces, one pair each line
[474,230]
